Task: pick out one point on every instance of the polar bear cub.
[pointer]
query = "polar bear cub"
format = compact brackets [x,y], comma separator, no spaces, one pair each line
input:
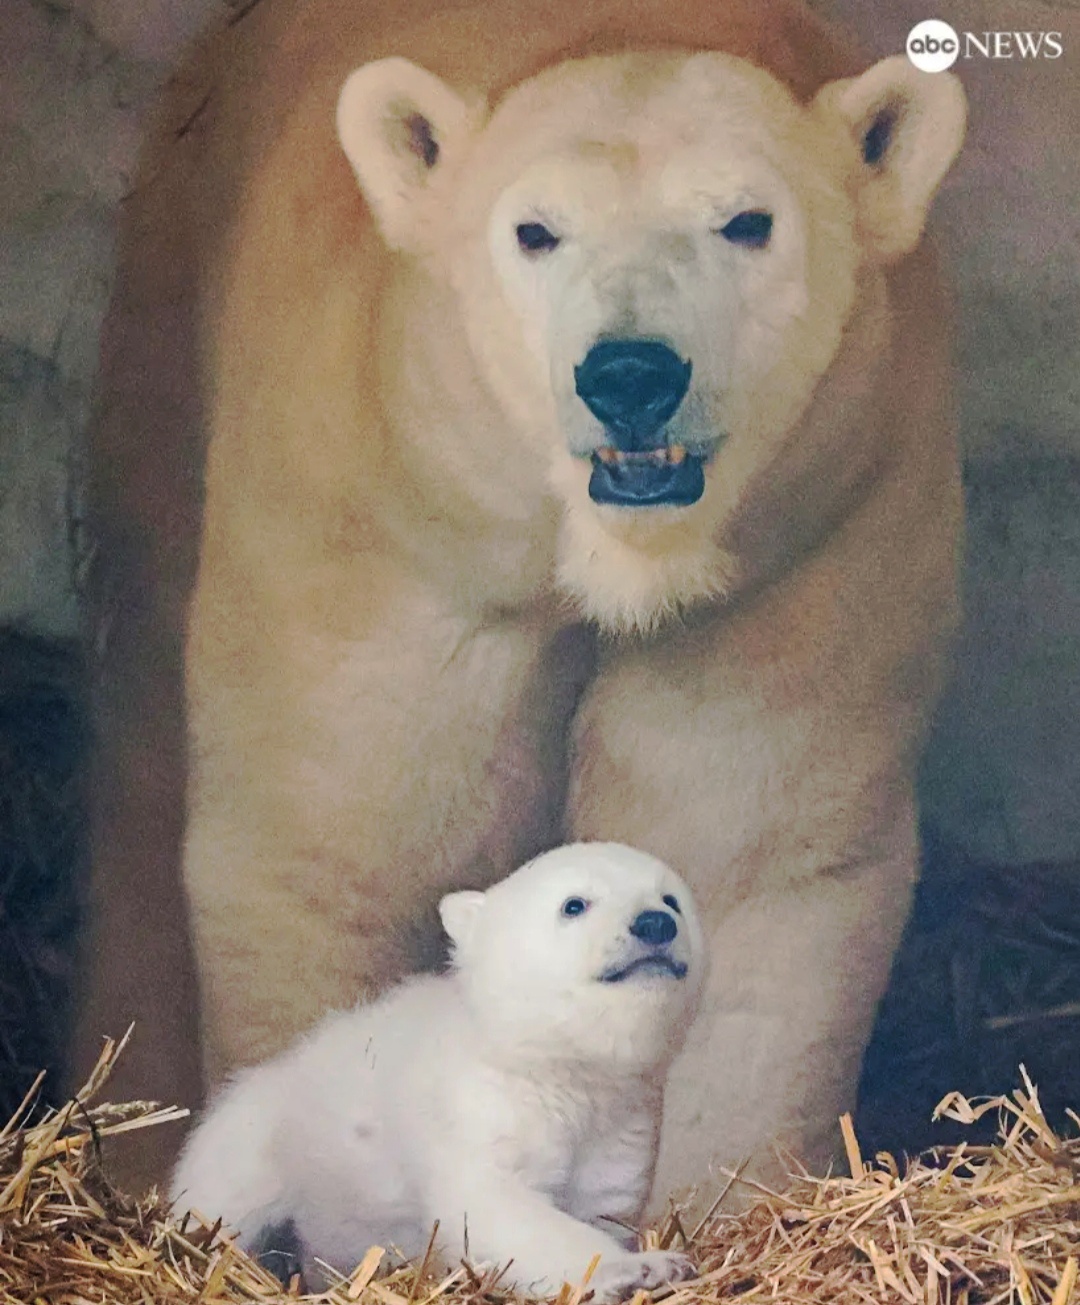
[516,1099]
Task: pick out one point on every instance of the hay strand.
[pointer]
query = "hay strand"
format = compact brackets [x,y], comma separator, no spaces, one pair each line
[851,1146]
[968,1225]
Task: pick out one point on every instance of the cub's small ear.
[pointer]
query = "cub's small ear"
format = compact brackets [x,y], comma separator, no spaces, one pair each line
[908,126]
[401,126]
[460,912]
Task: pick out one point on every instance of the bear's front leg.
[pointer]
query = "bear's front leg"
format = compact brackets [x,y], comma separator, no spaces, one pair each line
[796,831]
[789,1008]
[341,785]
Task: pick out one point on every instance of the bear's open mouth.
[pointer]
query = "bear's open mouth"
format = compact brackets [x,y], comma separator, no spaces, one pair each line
[667,476]
[655,963]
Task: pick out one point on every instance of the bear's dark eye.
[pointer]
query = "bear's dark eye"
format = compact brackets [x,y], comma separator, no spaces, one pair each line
[672,903]
[535,238]
[574,906]
[751,229]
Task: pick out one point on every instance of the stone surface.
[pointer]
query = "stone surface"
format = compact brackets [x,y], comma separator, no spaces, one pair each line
[1002,773]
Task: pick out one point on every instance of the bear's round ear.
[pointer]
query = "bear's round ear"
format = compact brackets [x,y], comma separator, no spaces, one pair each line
[400,126]
[459,912]
[908,126]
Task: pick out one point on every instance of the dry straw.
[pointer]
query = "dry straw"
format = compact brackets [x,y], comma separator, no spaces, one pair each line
[970,1225]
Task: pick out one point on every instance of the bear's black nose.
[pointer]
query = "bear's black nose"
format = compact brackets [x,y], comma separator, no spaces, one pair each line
[633,387]
[655,927]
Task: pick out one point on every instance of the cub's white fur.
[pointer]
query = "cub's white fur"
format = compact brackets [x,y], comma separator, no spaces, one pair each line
[516,1099]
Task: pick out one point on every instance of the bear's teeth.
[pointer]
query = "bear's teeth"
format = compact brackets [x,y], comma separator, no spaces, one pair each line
[675,455]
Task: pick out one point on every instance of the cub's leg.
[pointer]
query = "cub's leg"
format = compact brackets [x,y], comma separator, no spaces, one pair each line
[229,1169]
[509,1221]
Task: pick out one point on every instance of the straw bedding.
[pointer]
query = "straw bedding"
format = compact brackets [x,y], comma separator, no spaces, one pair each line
[970,1225]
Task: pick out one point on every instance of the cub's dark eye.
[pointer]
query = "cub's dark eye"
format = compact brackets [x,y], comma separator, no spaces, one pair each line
[672,903]
[574,906]
[535,238]
[751,229]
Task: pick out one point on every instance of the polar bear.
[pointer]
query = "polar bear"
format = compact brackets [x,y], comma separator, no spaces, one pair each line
[500,333]
[515,1100]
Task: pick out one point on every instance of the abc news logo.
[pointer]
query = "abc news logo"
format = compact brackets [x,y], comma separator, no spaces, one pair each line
[933,46]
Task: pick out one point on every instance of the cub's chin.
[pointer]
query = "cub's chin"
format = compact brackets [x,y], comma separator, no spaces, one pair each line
[643,968]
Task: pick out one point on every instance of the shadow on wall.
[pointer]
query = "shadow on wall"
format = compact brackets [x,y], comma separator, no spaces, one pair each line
[42,749]
[986,979]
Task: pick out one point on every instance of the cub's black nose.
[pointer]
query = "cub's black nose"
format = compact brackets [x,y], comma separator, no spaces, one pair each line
[655,927]
[633,387]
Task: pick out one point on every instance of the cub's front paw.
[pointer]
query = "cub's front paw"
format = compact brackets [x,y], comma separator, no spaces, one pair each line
[622,1276]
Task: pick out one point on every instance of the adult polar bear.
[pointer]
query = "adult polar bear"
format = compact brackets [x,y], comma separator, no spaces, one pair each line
[388,698]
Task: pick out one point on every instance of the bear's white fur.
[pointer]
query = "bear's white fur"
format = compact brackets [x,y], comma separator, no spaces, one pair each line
[620,159]
[516,1100]
[391,688]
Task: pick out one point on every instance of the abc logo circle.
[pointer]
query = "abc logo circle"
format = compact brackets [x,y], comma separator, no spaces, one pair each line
[933,46]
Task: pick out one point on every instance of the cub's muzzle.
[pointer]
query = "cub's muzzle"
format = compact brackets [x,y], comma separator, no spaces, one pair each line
[654,932]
